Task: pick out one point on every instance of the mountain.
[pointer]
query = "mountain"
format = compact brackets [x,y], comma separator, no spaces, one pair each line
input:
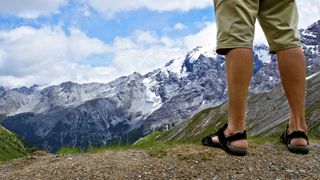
[268,114]
[310,39]
[130,107]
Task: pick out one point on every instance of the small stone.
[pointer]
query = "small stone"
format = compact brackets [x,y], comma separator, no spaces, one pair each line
[302,171]
[289,171]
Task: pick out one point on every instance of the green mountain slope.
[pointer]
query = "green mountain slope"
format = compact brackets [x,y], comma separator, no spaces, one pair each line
[268,114]
[10,146]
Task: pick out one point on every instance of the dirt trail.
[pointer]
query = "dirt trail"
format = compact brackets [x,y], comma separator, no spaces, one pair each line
[265,161]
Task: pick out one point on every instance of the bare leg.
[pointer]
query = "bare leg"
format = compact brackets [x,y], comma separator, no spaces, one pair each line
[239,68]
[293,77]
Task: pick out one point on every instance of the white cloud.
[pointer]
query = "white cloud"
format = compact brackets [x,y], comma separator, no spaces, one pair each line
[309,12]
[207,35]
[111,7]
[143,51]
[30,9]
[47,55]
[176,27]
[179,26]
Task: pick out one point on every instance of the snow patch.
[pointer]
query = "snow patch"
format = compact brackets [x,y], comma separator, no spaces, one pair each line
[174,67]
[264,55]
[308,33]
[152,100]
[201,50]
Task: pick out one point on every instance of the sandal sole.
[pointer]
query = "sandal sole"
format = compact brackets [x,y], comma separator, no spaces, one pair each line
[298,149]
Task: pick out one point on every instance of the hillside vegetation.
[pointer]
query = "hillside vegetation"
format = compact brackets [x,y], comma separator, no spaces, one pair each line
[11,146]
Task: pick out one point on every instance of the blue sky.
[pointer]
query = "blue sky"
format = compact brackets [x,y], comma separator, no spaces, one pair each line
[124,23]
[48,42]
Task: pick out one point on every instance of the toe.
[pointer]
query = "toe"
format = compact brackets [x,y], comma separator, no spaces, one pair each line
[298,142]
[215,139]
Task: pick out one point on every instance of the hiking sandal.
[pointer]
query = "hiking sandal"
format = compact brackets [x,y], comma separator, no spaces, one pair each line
[286,138]
[225,142]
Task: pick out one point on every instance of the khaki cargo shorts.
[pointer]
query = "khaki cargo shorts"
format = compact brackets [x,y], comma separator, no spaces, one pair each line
[236,23]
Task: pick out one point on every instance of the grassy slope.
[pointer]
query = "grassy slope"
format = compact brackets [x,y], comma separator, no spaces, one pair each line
[10,146]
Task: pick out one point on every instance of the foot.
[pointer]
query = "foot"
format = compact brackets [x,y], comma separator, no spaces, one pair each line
[296,141]
[237,144]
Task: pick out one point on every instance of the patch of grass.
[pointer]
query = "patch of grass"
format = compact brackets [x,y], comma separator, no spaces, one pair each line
[264,139]
[149,140]
[69,150]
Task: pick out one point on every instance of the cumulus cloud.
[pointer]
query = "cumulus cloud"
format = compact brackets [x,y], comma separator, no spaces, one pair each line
[46,55]
[30,9]
[143,51]
[111,7]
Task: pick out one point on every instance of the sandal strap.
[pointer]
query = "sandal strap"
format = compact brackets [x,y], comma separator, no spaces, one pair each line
[286,137]
[227,140]
[221,136]
[236,137]
[296,134]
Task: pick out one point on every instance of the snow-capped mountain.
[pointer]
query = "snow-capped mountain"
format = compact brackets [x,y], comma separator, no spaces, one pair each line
[130,107]
[310,39]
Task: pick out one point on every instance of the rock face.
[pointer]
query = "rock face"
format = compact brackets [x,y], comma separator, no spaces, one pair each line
[130,107]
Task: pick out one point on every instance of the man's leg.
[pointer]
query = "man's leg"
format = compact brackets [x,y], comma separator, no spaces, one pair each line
[292,69]
[239,69]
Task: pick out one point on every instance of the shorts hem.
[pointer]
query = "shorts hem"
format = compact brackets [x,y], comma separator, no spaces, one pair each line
[224,49]
[279,48]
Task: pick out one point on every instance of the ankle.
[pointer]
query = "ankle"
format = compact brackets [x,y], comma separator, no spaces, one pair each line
[297,127]
[233,130]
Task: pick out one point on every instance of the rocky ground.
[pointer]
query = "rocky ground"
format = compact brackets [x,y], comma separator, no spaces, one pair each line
[264,161]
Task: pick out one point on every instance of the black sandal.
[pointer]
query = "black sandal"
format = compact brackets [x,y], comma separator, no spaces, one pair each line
[225,141]
[286,138]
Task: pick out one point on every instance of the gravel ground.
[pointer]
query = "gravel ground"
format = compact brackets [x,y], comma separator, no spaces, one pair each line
[264,161]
